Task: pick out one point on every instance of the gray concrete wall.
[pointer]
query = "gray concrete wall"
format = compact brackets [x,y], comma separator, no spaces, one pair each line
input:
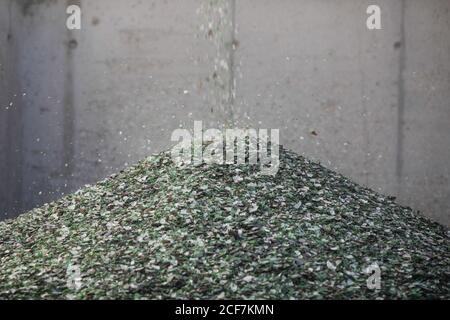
[11,123]
[105,96]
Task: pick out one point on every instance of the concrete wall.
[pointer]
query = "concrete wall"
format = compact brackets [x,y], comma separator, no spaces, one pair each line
[111,93]
[11,123]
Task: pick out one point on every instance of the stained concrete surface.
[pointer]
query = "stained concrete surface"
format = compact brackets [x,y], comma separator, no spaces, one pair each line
[88,102]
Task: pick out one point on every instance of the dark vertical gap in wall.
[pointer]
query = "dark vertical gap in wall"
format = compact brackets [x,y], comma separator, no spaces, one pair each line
[365,130]
[401,99]
[69,108]
[14,131]
[232,83]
